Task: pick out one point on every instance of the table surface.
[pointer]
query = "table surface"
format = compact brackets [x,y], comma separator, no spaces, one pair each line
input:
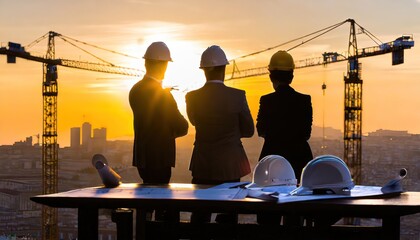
[189,197]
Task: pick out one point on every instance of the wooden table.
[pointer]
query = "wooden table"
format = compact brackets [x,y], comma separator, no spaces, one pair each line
[189,197]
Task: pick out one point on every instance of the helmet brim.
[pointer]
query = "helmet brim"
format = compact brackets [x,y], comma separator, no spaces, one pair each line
[301,191]
[253,186]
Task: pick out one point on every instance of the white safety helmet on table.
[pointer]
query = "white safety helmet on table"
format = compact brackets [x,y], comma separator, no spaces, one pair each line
[273,170]
[325,174]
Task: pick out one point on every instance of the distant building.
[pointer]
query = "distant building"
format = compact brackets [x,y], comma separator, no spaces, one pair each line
[27,142]
[87,136]
[99,139]
[99,134]
[75,137]
[388,133]
[86,133]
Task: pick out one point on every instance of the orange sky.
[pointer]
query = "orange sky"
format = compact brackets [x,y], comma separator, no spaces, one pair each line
[390,93]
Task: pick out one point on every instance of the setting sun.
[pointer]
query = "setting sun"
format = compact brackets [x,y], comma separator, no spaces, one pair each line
[183,73]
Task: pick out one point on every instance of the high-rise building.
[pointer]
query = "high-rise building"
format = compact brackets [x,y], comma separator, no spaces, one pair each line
[99,134]
[86,134]
[99,139]
[75,137]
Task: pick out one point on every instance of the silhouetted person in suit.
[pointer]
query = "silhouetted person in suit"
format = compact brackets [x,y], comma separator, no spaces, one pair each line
[221,117]
[157,120]
[285,120]
[285,116]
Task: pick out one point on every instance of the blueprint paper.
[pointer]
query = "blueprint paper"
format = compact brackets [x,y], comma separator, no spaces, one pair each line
[124,192]
[358,191]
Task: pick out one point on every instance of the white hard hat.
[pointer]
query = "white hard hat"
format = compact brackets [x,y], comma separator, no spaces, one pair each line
[326,173]
[158,51]
[213,56]
[273,170]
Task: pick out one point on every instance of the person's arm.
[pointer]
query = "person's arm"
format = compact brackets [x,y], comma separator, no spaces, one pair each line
[246,123]
[190,112]
[261,119]
[308,118]
[179,123]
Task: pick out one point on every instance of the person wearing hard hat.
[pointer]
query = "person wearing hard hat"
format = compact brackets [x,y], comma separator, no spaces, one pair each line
[221,117]
[157,120]
[284,118]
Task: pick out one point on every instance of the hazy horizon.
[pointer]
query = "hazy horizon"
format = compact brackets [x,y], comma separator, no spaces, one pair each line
[390,93]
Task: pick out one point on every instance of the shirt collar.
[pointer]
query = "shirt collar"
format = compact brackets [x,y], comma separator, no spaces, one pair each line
[215,81]
[153,78]
[283,88]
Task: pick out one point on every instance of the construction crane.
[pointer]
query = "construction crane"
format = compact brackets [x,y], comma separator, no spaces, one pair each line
[49,92]
[352,81]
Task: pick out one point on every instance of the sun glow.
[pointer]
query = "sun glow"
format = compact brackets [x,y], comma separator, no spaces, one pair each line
[183,74]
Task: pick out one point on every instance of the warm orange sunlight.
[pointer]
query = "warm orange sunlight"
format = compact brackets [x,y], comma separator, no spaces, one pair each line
[183,74]
[102,98]
[67,69]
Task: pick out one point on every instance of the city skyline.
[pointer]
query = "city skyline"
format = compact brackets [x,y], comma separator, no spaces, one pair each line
[390,93]
[21,178]
[317,132]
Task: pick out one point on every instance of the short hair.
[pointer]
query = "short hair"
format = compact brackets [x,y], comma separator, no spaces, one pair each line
[214,72]
[215,68]
[281,76]
[153,64]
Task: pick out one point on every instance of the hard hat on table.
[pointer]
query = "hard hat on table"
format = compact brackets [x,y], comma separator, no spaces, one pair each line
[325,174]
[273,170]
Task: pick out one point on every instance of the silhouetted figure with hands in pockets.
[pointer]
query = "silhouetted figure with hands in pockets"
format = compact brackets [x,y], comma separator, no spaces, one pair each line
[221,117]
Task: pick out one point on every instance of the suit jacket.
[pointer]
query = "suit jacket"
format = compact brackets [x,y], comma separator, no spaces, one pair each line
[221,117]
[285,121]
[157,122]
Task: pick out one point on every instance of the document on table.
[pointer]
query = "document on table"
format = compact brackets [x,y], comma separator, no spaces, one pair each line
[282,196]
[123,192]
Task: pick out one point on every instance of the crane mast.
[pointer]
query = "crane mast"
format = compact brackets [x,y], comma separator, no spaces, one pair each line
[353,109]
[49,94]
[49,141]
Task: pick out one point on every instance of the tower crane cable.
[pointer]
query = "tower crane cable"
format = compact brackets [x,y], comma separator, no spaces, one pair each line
[91,54]
[262,70]
[101,48]
[69,39]
[37,41]
[369,34]
[321,31]
[328,30]
[293,40]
